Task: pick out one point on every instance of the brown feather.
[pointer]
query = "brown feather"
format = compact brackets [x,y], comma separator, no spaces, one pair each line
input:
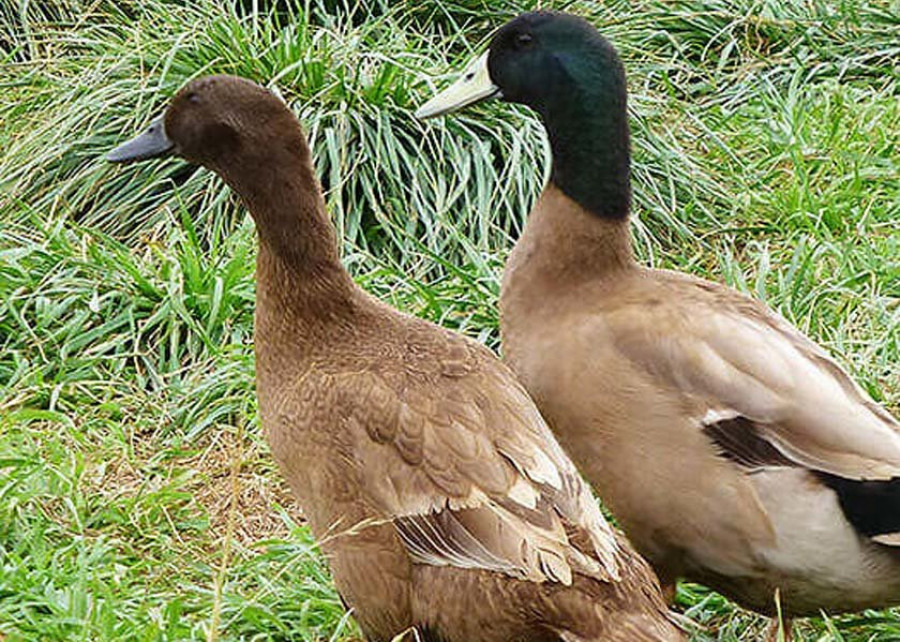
[706,422]
[388,428]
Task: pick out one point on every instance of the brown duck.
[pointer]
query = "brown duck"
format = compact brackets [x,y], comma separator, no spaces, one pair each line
[733,450]
[440,497]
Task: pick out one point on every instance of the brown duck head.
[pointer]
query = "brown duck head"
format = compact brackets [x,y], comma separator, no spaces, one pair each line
[221,122]
[249,136]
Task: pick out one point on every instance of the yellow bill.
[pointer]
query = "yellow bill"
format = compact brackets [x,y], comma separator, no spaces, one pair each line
[474,85]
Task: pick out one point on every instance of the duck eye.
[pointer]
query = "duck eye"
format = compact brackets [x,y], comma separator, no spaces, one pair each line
[524,41]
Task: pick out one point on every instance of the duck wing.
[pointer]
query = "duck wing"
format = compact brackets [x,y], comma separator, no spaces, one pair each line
[454,451]
[766,395]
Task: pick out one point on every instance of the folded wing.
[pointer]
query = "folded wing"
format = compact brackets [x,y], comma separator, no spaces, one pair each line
[459,457]
[768,396]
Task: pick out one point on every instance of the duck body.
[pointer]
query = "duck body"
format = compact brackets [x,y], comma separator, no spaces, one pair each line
[588,334]
[731,448]
[349,409]
[440,497]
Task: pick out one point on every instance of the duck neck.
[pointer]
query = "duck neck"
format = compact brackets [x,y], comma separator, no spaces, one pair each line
[587,124]
[568,244]
[299,272]
[563,248]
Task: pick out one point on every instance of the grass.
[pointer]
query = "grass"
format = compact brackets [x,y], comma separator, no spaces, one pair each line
[137,498]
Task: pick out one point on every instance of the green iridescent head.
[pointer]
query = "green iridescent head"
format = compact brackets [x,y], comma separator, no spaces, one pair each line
[559,65]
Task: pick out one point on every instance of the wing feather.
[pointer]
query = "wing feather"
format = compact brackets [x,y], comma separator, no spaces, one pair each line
[468,471]
[767,396]
[730,356]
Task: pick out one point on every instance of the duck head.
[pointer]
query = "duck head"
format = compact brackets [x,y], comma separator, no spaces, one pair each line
[540,59]
[249,137]
[559,65]
[213,121]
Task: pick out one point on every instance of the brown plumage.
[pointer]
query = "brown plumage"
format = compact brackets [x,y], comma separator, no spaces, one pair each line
[733,450]
[430,480]
[703,419]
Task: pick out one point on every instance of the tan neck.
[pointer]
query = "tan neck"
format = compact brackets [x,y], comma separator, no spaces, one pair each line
[564,245]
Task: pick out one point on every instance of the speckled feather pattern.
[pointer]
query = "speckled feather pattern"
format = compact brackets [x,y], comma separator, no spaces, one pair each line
[427,475]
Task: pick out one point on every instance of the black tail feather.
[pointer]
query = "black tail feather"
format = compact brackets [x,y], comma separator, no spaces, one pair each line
[873,507]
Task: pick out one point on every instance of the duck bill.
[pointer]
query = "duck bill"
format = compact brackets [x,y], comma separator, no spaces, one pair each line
[472,87]
[151,144]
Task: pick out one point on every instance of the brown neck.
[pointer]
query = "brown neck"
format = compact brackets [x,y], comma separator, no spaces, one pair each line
[563,244]
[299,274]
[279,187]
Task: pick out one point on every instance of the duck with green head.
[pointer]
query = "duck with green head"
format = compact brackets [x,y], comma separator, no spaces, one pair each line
[733,450]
